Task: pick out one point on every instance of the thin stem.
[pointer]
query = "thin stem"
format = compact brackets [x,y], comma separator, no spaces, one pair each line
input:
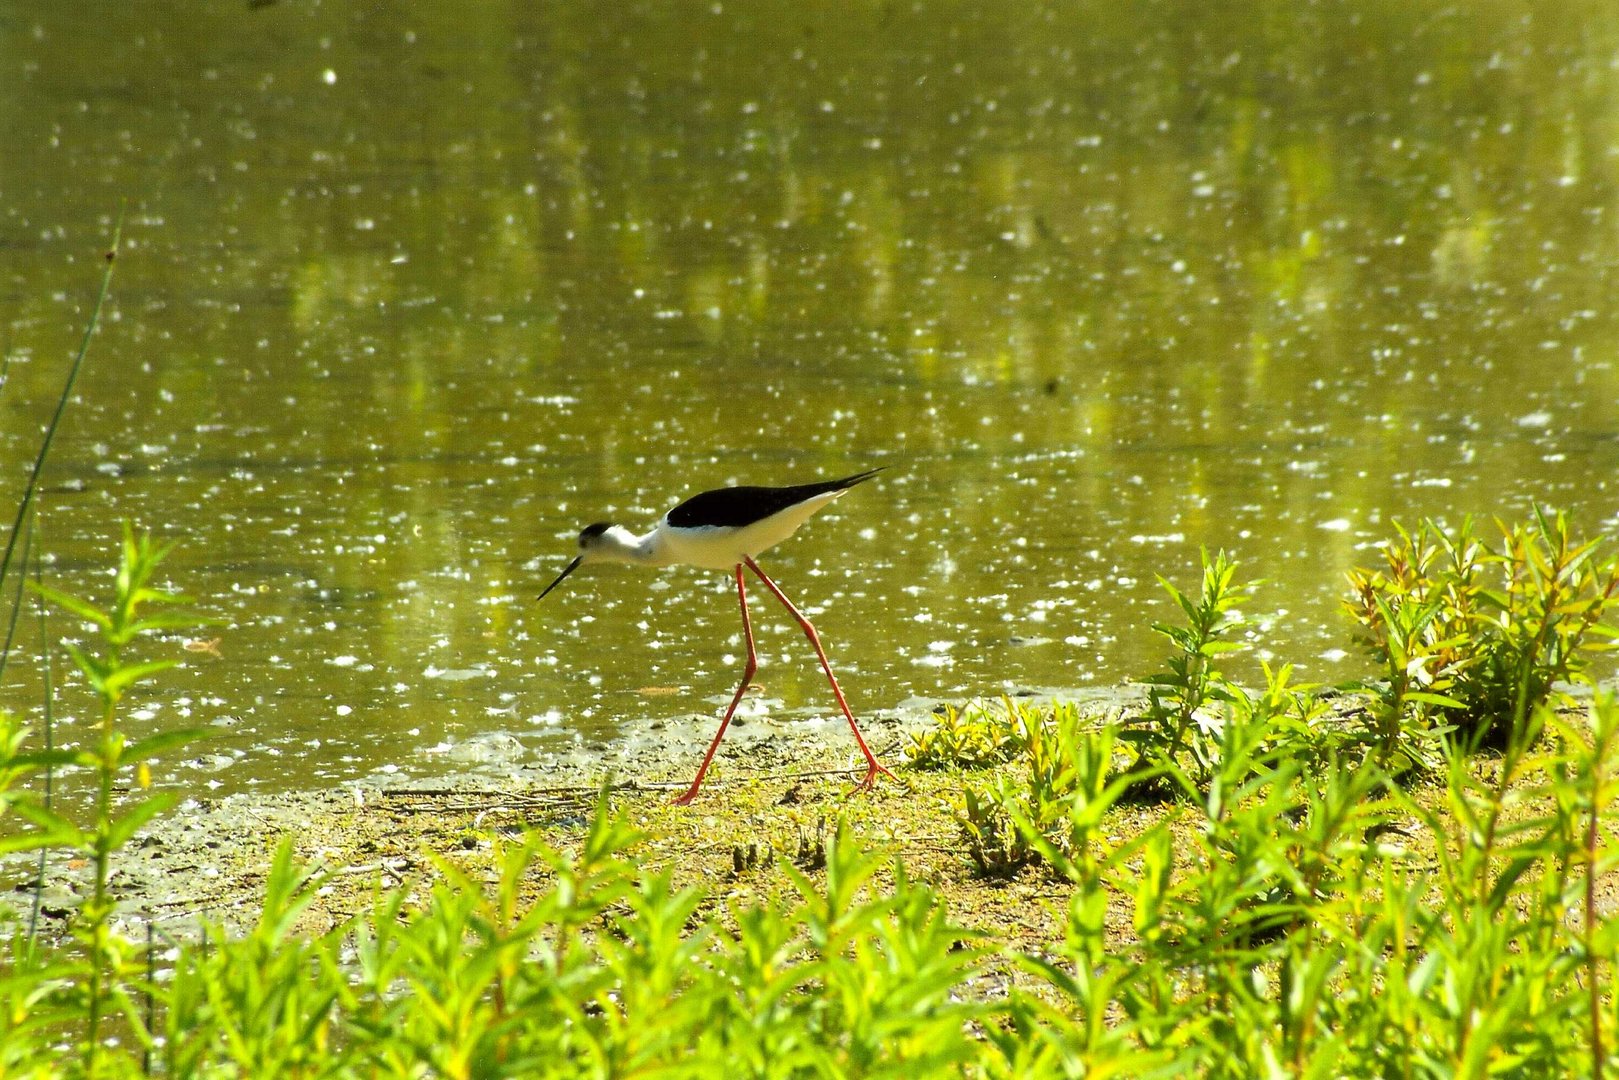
[1602,745]
[97,911]
[61,402]
[50,726]
[1593,995]
[16,602]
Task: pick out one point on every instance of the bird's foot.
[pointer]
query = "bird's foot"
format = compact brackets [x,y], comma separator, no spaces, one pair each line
[686,799]
[870,780]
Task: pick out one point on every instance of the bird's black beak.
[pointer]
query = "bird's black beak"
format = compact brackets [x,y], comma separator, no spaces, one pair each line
[571,568]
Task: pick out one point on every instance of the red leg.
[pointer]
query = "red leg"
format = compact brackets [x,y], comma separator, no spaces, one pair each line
[747,677]
[873,768]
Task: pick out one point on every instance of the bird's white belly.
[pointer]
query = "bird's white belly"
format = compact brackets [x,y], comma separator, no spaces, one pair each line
[722,548]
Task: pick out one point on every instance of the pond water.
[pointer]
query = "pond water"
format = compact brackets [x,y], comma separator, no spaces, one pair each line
[411,293]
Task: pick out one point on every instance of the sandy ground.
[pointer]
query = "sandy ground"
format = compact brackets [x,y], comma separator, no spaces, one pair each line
[773,796]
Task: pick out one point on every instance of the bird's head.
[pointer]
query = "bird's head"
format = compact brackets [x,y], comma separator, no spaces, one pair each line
[600,542]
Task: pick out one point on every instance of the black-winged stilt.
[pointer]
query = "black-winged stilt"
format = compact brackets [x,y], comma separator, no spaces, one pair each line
[726,529]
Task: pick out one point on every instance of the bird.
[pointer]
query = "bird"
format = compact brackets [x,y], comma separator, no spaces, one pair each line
[727,529]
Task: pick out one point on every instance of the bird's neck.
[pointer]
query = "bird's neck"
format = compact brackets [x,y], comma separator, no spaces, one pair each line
[618,544]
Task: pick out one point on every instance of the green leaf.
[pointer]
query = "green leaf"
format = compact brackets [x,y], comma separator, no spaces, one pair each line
[55,830]
[50,759]
[1508,880]
[33,841]
[1425,698]
[163,740]
[149,595]
[115,682]
[174,620]
[83,608]
[122,828]
[94,670]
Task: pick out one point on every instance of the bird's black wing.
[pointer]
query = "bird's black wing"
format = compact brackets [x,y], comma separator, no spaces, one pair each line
[734,507]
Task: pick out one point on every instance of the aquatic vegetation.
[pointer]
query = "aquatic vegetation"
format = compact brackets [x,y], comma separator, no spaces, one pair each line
[1181,702]
[972,737]
[1470,638]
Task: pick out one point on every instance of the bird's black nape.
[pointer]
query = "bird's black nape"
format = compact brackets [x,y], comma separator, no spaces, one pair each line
[735,507]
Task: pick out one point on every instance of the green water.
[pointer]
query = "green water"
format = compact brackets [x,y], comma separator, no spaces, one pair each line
[412,292]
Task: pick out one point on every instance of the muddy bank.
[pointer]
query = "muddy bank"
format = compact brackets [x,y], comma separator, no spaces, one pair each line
[773,786]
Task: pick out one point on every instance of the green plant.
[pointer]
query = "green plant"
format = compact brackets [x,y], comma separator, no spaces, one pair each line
[1181,702]
[602,970]
[971,737]
[1558,592]
[1039,744]
[996,847]
[1475,638]
[107,755]
[264,1003]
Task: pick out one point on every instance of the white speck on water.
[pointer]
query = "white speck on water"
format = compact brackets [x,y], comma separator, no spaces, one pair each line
[1332,656]
[1335,525]
[454,674]
[1538,419]
[343,661]
[1433,481]
[344,710]
[329,77]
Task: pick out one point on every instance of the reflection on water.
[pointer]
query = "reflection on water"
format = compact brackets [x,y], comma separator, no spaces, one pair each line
[412,294]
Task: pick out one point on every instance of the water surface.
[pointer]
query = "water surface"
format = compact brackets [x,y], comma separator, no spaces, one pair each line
[412,294]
